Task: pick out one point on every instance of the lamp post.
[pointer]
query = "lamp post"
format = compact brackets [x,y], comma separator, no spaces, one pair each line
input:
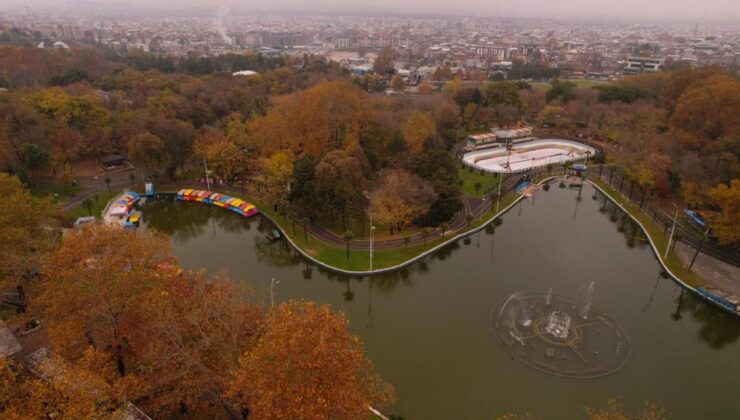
[372,232]
[205,167]
[372,229]
[498,196]
[698,249]
[673,229]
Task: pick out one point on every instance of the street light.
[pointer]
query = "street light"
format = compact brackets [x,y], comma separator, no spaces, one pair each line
[372,232]
[372,228]
[498,196]
[205,167]
[673,229]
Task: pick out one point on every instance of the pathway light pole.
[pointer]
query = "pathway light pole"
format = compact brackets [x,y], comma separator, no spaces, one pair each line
[673,229]
[372,229]
[205,167]
[372,234]
[698,249]
[498,196]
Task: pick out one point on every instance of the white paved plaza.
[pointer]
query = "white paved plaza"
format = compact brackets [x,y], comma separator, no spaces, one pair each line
[528,155]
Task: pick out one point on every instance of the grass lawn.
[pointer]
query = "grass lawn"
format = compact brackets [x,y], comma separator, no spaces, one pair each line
[488,182]
[359,260]
[56,191]
[673,262]
[584,83]
[97,207]
[381,231]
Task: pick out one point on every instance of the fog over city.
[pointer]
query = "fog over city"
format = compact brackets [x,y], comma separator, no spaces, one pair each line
[659,10]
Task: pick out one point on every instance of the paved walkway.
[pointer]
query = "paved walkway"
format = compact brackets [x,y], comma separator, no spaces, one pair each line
[718,273]
[715,272]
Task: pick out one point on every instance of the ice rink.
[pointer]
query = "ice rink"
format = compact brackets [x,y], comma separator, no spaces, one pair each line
[528,155]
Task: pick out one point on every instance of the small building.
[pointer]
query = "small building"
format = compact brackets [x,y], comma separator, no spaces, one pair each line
[514,135]
[637,65]
[479,141]
[112,161]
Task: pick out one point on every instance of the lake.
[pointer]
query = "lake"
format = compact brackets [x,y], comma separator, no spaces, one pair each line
[426,327]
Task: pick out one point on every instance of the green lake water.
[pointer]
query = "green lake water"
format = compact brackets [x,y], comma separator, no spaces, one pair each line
[426,327]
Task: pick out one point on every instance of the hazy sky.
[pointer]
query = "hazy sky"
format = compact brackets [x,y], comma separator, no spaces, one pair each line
[691,10]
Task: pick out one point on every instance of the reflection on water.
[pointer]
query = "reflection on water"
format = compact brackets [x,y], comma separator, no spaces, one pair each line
[425,326]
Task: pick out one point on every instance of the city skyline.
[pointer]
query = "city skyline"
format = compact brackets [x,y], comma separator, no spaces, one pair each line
[659,10]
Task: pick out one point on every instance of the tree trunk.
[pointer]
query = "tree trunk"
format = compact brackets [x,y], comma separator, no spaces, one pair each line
[119,361]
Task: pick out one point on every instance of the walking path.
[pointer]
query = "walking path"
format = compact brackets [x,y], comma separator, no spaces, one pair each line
[718,273]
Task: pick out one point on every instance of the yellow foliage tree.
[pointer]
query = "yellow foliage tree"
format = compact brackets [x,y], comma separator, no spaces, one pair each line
[278,172]
[418,129]
[726,225]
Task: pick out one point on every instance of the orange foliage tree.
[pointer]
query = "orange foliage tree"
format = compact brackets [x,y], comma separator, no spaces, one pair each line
[306,365]
[93,285]
[27,232]
[327,116]
[726,225]
[400,198]
[195,331]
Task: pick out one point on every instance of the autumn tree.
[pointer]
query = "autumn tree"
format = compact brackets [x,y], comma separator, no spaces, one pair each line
[66,390]
[306,365]
[551,115]
[224,157]
[726,225]
[325,117]
[383,64]
[340,180]
[708,109]
[149,150]
[398,84]
[28,231]
[418,129]
[178,137]
[194,332]
[425,88]
[75,112]
[443,73]
[400,198]
[278,173]
[102,272]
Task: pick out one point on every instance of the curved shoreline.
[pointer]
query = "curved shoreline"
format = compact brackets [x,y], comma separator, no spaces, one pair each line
[462,235]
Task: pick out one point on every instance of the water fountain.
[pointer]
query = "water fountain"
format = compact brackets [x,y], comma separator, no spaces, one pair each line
[559,334]
[558,325]
[587,301]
